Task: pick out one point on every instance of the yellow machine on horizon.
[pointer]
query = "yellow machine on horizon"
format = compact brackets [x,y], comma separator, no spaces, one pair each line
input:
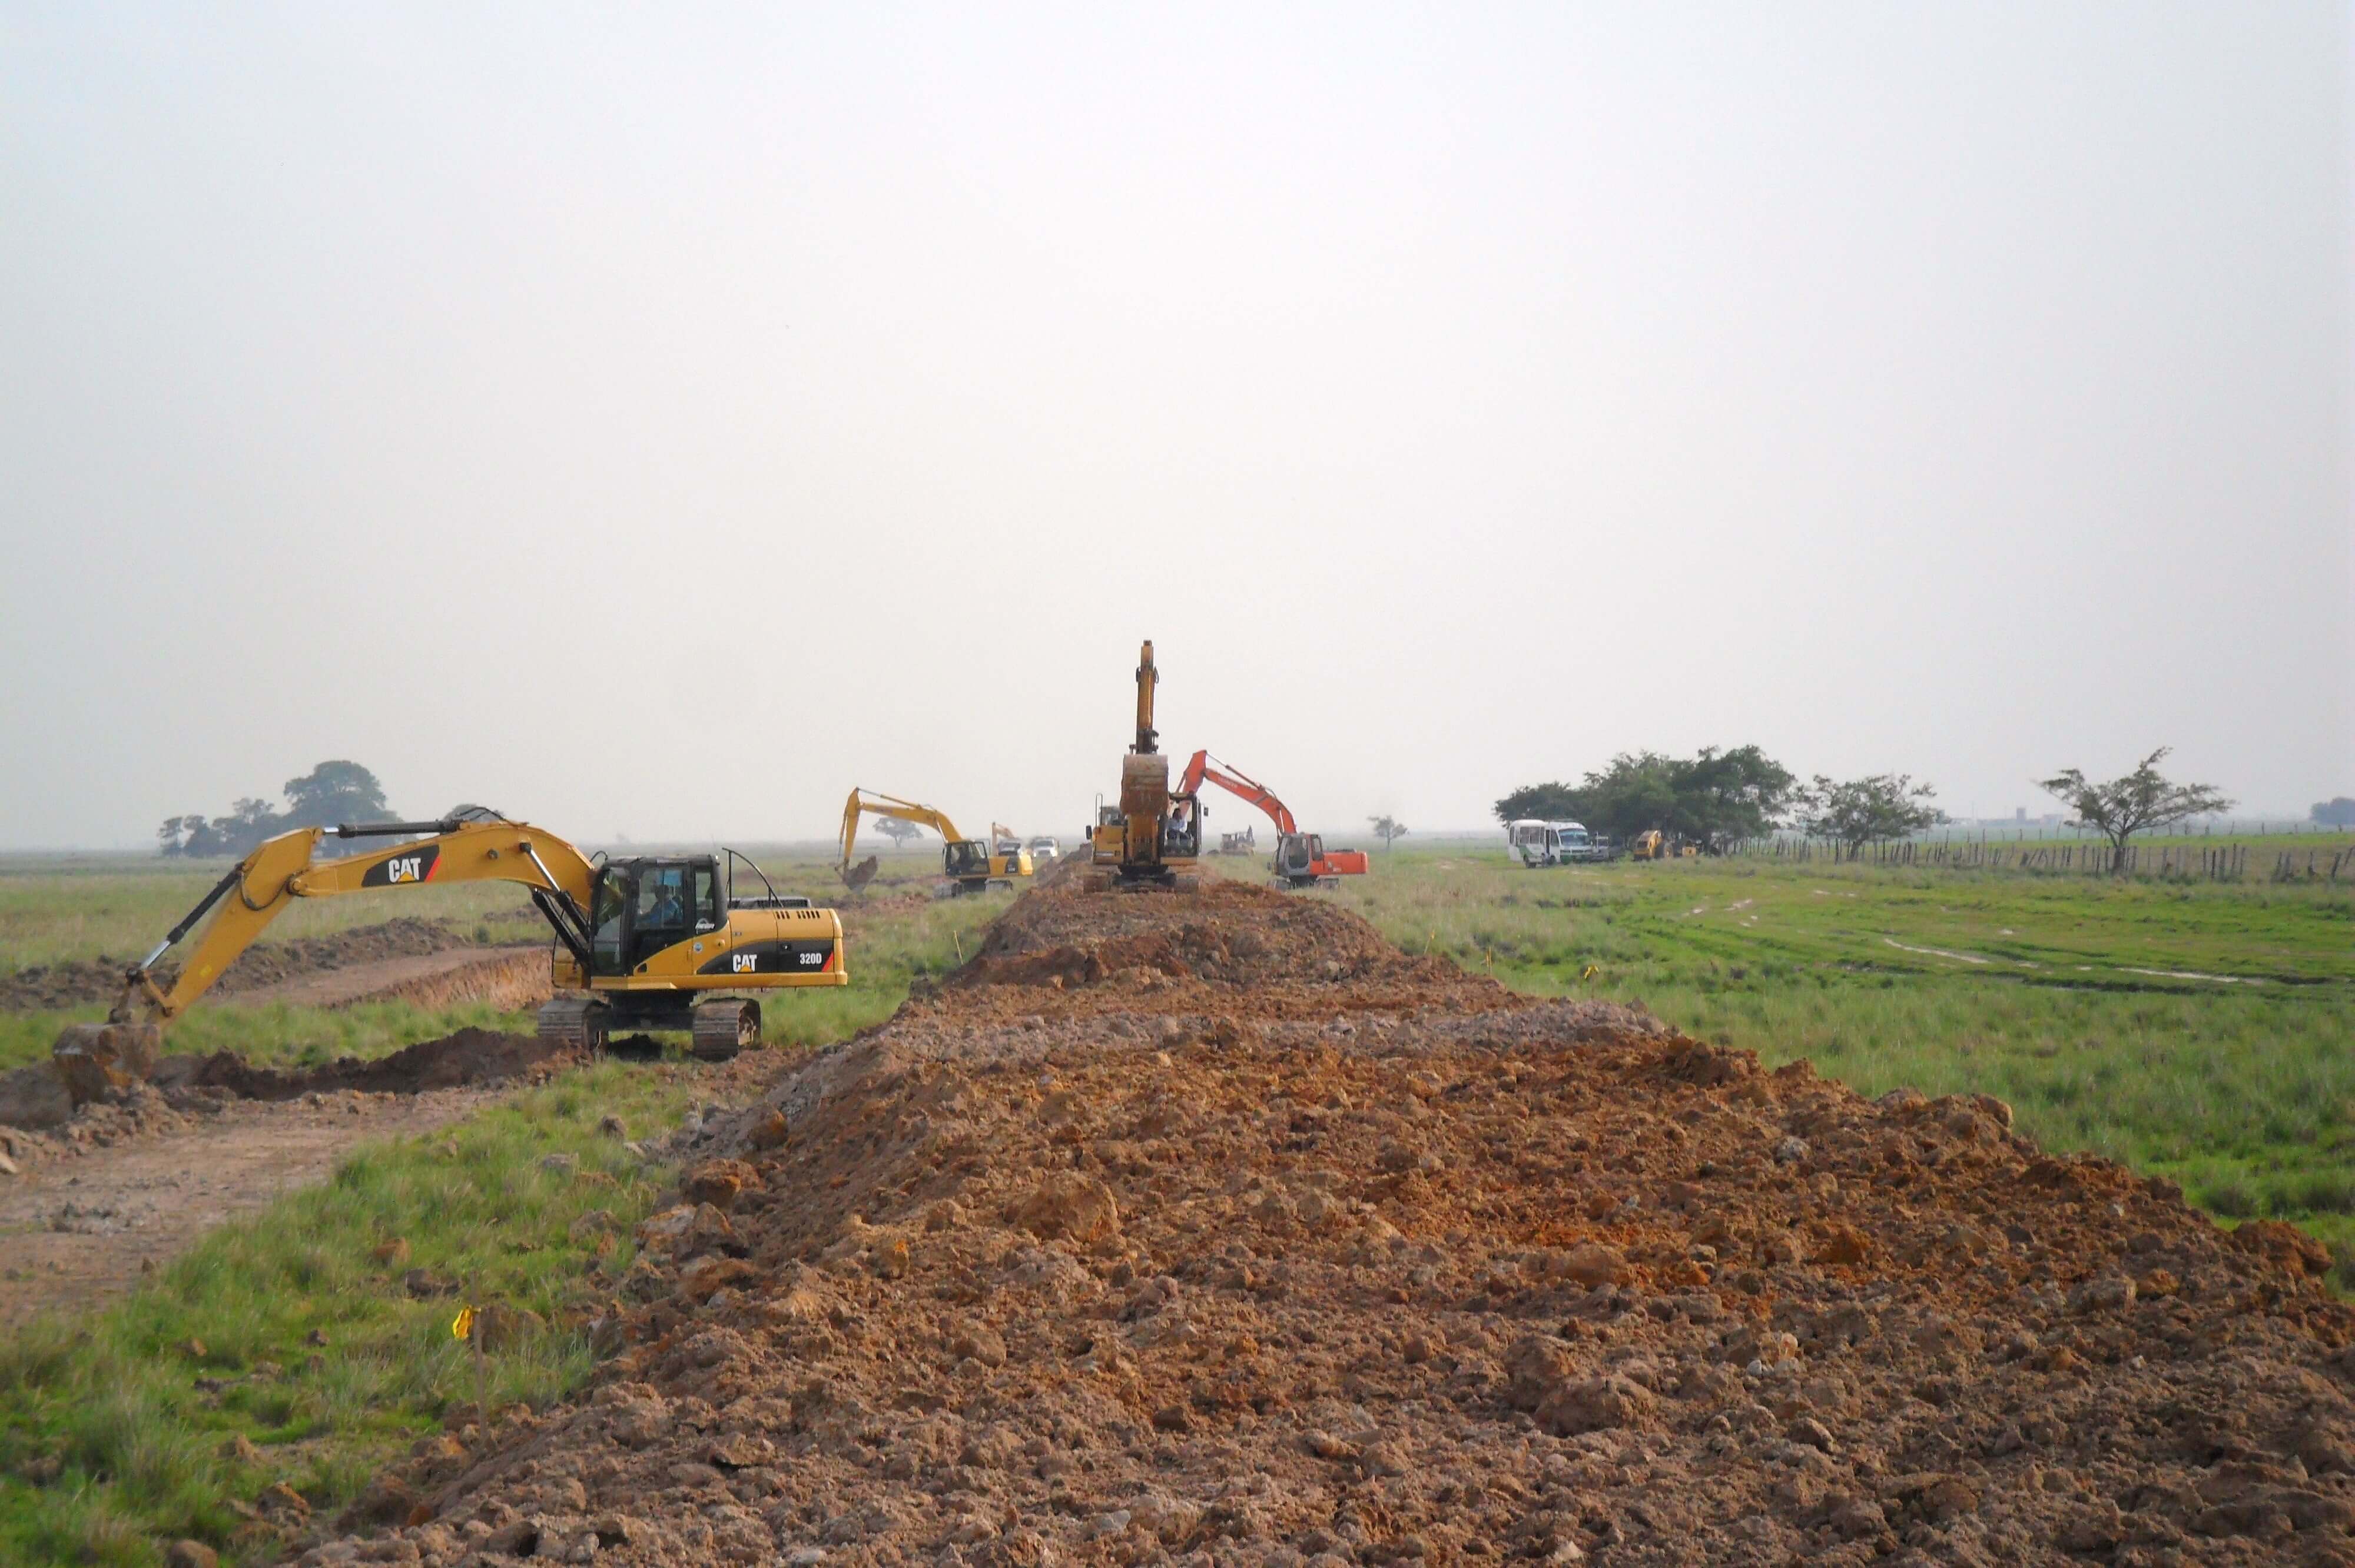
[972,865]
[655,942]
[1153,838]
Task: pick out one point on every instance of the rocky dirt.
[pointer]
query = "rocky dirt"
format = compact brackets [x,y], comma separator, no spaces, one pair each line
[1211,1228]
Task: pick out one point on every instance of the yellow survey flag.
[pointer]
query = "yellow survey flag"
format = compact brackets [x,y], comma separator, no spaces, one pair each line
[462,1324]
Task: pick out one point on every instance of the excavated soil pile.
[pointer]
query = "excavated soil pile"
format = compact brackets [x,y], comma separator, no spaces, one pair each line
[1305,1253]
[468,1058]
[1229,946]
[48,987]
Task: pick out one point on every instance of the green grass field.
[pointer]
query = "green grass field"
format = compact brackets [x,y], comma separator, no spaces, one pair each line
[2195,1030]
[110,1447]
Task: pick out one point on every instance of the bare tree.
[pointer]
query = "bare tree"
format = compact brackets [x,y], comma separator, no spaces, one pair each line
[1390,830]
[1867,810]
[2124,807]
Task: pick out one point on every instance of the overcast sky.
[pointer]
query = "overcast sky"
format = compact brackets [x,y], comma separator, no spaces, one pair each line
[662,420]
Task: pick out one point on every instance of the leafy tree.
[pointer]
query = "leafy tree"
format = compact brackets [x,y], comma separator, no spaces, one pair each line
[183,835]
[2338,812]
[1543,802]
[1867,810]
[334,792]
[2124,807]
[897,831]
[1710,800]
[1390,830]
[1722,796]
[330,793]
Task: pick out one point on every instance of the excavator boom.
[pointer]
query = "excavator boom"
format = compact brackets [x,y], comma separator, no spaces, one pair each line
[654,941]
[1301,859]
[1147,679]
[279,871]
[971,864]
[1236,782]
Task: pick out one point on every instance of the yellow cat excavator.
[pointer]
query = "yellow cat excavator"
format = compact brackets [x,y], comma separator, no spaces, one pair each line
[1151,840]
[653,942]
[972,865]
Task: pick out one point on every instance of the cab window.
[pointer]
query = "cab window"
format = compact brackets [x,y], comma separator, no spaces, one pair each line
[608,906]
[661,915]
[709,916]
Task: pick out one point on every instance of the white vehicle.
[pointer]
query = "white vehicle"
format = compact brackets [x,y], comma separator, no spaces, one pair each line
[1044,848]
[1534,843]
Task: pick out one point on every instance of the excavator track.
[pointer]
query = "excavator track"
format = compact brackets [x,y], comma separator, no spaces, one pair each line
[722,1029]
[580,1023]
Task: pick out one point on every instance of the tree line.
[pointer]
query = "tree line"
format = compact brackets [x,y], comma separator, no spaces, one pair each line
[333,793]
[1718,798]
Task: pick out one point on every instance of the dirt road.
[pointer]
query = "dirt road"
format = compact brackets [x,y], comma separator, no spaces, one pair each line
[78,1230]
[1212,1228]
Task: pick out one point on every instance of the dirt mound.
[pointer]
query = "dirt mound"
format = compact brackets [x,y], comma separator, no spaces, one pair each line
[1117,1282]
[77,983]
[1228,949]
[469,1057]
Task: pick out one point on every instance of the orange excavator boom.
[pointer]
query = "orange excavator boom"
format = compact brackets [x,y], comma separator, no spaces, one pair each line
[1236,782]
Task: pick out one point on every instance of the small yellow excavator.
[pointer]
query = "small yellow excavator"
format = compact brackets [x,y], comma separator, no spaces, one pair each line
[1153,838]
[655,942]
[972,865]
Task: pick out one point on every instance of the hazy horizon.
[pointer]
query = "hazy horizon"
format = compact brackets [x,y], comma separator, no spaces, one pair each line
[663,422]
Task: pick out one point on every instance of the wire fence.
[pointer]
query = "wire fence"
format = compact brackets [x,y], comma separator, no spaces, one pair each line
[2188,860]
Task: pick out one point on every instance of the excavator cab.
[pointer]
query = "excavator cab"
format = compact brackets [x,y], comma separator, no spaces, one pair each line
[1297,855]
[646,904]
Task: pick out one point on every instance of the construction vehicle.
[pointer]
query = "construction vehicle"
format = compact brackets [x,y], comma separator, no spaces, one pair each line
[1244,843]
[1650,844]
[653,942]
[1151,839]
[970,865]
[1301,859]
[1539,843]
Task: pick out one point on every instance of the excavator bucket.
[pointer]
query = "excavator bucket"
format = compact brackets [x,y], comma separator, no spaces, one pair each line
[92,1059]
[859,876]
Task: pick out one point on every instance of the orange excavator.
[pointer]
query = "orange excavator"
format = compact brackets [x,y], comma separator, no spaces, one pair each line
[1301,859]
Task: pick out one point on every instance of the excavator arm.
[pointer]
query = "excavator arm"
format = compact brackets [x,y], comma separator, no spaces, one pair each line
[1235,782]
[279,871]
[873,803]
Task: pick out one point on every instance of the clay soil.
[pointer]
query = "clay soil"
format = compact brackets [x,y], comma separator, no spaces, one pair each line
[1211,1228]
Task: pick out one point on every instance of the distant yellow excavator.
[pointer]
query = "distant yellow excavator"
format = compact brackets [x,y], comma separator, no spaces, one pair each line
[972,865]
[655,942]
[1152,839]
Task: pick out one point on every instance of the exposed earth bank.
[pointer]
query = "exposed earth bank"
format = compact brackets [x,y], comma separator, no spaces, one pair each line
[1212,1228]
